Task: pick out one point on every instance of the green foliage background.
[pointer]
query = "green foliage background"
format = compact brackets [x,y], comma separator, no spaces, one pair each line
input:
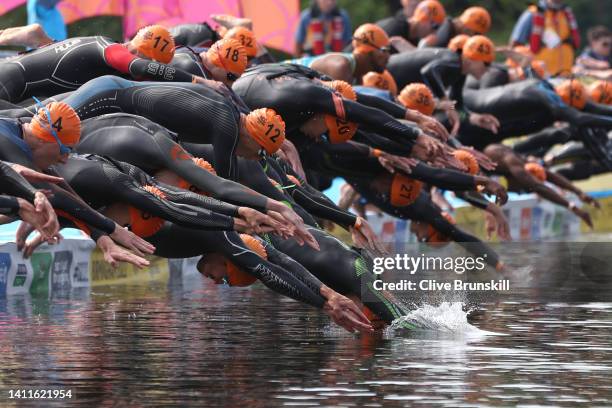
[504,13]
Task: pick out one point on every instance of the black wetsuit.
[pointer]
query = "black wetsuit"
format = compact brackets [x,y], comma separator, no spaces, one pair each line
[151,147]
[289,90]
[15,150]
[194,35]
[445,33]
[397,24]
[522,108]
[438,68]
[104,181]
[66,65]
[197,113]
[496,75]
[188,60]
[14,185]
[539,143]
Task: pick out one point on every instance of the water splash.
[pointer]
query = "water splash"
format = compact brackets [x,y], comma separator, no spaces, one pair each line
[447,317]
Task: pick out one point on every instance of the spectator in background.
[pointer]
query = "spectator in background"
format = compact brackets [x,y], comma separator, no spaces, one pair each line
[551,31]
[597,55]
[322,28]
[45,13]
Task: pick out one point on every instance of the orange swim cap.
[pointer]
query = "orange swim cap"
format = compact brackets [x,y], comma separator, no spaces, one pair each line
[142,223]
[246,38]
[267,128]
[476,19]
[229,55]
[419,97]
[468,160]
[384,81]
[369,37]
[536,171]
[457,42]
[155,42]
[430,11]
[64,120]
[235,275]
[573,93]
[601,92]
[435,237]
[479,48]
[339,129]
[404,190]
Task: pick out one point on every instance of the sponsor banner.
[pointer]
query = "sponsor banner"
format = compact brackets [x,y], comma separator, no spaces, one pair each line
[529,219]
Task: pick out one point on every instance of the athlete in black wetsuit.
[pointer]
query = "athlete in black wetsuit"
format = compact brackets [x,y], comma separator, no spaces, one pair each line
[289,90]
[197,113]
[525,107]
[66,65]
[150,147]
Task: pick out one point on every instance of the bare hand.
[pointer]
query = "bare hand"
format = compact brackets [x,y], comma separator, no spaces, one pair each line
[426,148]
[492,187]
[260,223]
[113,254]
[587,199]
[585,216]
[364,237]
[392,162]
[485,121]
[483,160]
[344,312]
[429,125]
[496,220]
[131,241]
[43,206]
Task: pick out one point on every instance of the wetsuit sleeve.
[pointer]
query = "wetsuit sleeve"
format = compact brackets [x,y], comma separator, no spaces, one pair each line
[382,143]
[393,109]
[178,195]
[9,206]
[180,162]
[128,189]
[446,179]
[306,285]
[13,183]
[319,206]
[474,198]
[73,205]
[598,109]
[581,119]
[120,58]
[381,122]
[433,74]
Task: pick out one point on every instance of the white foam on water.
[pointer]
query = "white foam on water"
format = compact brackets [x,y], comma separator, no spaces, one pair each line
[447,317]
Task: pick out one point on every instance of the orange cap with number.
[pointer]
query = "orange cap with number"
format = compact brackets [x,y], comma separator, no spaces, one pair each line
[601,92]
[419,97]
[235,275]
[142,223]
[369,37]
[476,19]
[536,171]
[384,81]
[155,42]
[457,42]
[430,11]
[573,93]
[267,128]
[64,120]
[339,129]
[246,38]
[468,160]
[479,48]
[404,190]
[229,55]
[435,236]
